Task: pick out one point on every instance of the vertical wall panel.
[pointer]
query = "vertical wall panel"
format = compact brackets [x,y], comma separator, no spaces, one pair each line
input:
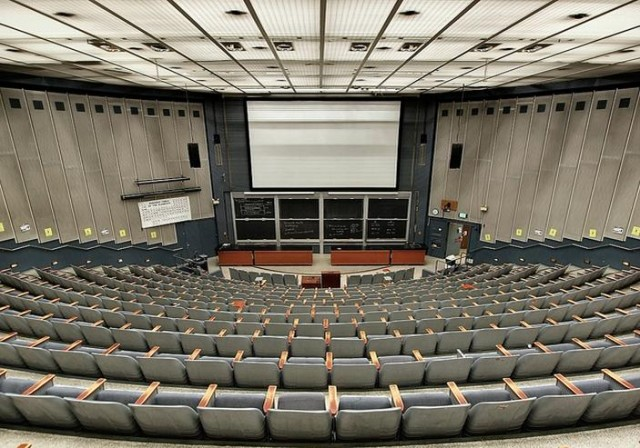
[99,111]
[634,222]
[184,136]
[81,116]
[500,156]
[609,166]
[533,160]
[47,146]
[172,159]
[30,165]
[122,141]
[588,166]
[552,151]
[470,156]
[523,112]
[6,228]
[73,168]
[442,147]
[204,178]
[483,165]
[568,166]
[458,132]
[14,189]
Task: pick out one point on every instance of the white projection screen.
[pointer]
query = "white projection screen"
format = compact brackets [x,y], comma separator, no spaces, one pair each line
[323,144]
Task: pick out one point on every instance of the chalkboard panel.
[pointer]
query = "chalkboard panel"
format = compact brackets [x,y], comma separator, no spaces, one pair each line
[342,208]
[388,208]
[298,229]
[386,229]
[256,230]
[254,208]
[299,208]
[343,229]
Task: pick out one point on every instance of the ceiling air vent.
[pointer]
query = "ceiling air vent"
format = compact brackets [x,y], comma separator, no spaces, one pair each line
[410,46]
[104,45]
[533,48]
[483,48]
[156,46]
[359,46]
[283,46]
[233,46]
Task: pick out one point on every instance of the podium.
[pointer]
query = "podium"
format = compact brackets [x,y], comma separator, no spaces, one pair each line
[331,279]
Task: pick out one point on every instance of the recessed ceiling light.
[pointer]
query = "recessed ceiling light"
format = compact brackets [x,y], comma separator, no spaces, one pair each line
[104,45]
[578,16]
[409,13]
[484,47]
[232,46]
[235,12]
[533,48]
[260,47]
[359,46]
[284,46]
[156,46]
[64,14]
[410,46]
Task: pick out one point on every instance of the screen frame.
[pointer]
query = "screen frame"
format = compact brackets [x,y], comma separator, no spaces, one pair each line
[252,187]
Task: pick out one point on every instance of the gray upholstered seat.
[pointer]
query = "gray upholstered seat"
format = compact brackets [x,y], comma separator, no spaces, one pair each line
[48,407]
[442,370]
[490,368]
[309,373]
[107,412]
[611,402]
[555,407]
[164,369]
[300,416]
[76,362]
[432,414]
[256,372]
[234,416]
[402,370]
[384,345]
[353,373]
[347,347]
[207,370]
[494,410]
[8,412]
[367,418]
[169,414]
[308,347]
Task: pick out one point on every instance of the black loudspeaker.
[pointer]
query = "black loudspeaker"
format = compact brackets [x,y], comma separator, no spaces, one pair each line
[423,139]
[194,155]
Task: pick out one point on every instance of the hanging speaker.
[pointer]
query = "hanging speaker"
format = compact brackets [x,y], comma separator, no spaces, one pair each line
[194,155]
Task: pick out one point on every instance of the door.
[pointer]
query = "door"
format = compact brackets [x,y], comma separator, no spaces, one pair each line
[437,237]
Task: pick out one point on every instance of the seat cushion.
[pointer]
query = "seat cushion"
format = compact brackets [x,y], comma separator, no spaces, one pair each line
[352,402]
[225,400]
[426,399]
[302,401]
[479,396]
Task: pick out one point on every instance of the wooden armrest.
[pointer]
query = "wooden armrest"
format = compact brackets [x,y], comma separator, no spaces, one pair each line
[354,321]
[6,337]
[363,335]
[327,338]
[554,305]
[525,324]
[566,382]
[456,393]
[46,316]
[195,354]
[156,328]
[239,319]
[256,334]
[238,357]
[461,328]
[5,307]
[542,347]
[147,394]
[22,294]
[429,331]
[551,321]
[416,354]
[396,397]
[111,349]
[581,344]
[292,334]
[503,350]
[44,381]
[211,319]
[283,359]
[329,361]
[137,312]
[94,388]
[325,324]
[3,373]
[208,395]
[615,340]
[24,313]
[600,315]
[73,345]
[577,318]
[617,378]
[39,341]
[126,326]
[514,388]
[222,332]
[333,400]
[269,399]
[189,330]
[374,359]
[535,308]
[397,334]
[152,352]
[621,311]
[494,326]
[636,332]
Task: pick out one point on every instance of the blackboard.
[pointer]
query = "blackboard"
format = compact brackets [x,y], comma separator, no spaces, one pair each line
[299,229]
[299,208]
[343,229]
[254,208]
[342,208]
[386,229]
[388,208]
[256,230]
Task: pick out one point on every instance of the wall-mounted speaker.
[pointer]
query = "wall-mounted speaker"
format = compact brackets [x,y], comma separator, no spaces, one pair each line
[194,155]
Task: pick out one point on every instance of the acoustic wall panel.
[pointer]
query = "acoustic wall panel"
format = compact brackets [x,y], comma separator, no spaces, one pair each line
[14,189]
[469,156]
[99,109]
[552,151]
[610,163]
[500,156]
[485,152]
[568,166]
[588,166]
[126,163]
[73,167]
[196,116]
[184,132]
[30,164]
[523,114]
[441,156]
[81,115]
[6,229]
[458,136]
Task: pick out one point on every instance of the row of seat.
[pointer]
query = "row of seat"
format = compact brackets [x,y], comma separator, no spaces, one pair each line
[314,416]
[269,278]
[305,369]
[379,278]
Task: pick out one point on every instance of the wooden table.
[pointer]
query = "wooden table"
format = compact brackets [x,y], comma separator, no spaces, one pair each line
[310,281]
[283,257]
[360,257]
[407,256]
[235,258]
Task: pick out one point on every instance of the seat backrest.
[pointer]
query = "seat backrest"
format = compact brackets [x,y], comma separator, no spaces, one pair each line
[589,386]
[15,385]
[237,401]
[118,396]
[353,402]
[177,399]
[480,396]
[426,399]
[303,401]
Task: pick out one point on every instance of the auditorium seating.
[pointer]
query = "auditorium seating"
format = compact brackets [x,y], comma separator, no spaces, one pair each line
[410,346]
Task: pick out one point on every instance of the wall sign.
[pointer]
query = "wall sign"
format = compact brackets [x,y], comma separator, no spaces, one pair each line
[164,211]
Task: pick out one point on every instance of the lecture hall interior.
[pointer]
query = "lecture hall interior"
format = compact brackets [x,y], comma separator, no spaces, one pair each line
[319,223]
